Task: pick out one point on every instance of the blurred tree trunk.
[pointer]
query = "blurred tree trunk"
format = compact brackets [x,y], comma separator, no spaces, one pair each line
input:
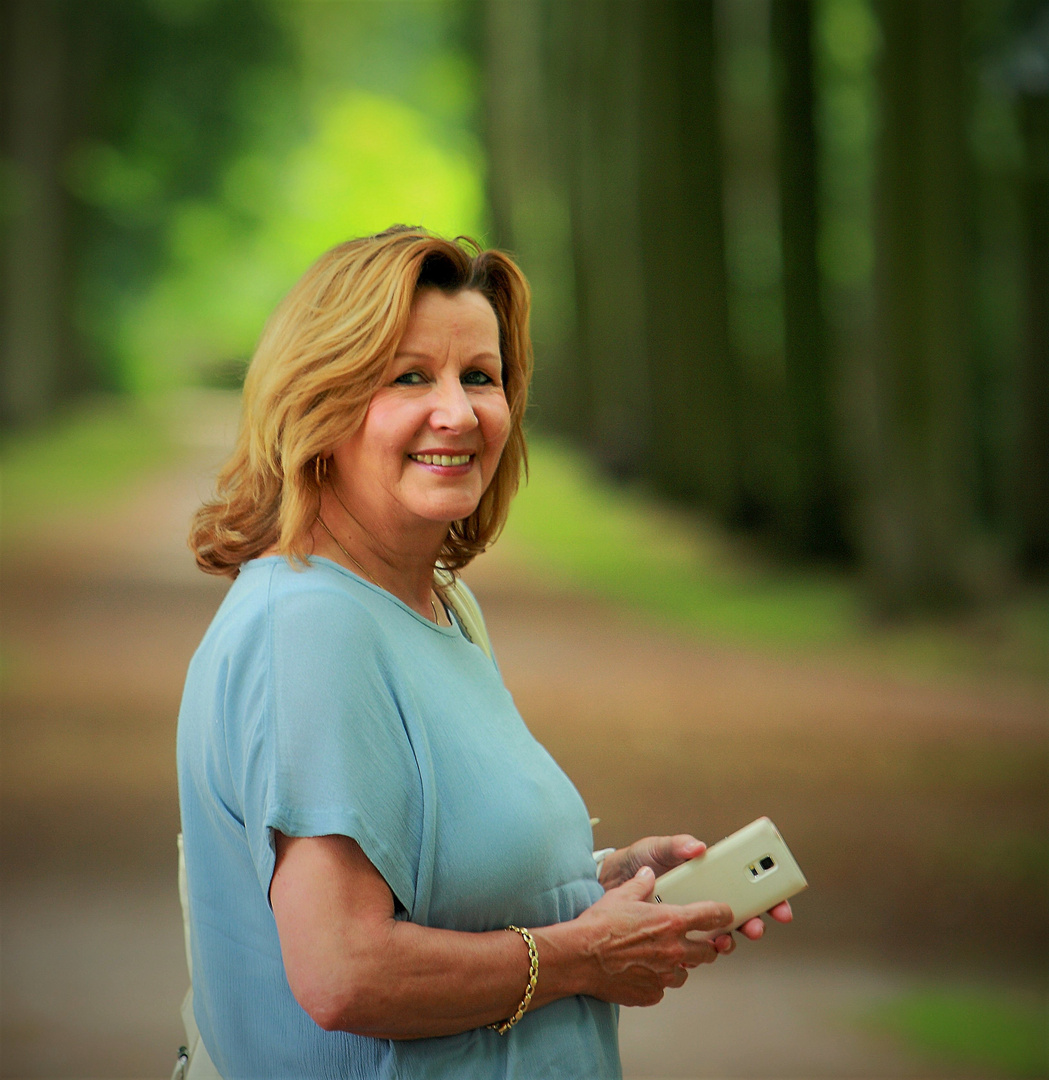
[529,206]
[696,451]
[1033,472]
[813,524]
[598,116]
[607,177]
[920,515]
[34,336]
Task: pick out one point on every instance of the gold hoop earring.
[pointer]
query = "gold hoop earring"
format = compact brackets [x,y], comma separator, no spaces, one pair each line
[320,469]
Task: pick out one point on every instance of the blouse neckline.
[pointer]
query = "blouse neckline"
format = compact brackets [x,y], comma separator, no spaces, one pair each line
[322,560]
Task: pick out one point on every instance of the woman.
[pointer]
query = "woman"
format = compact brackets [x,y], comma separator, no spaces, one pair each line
[365,814]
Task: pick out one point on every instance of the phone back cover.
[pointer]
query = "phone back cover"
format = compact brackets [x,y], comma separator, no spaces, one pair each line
[723,874]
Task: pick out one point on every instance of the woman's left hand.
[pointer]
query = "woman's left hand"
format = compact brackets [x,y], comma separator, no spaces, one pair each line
[659,853]
[663,853]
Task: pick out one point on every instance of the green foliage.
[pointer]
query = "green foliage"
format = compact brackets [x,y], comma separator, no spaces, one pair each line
[848,38]
[162,97]
[752,233]
[976,1027]
[217,147]
[370,162]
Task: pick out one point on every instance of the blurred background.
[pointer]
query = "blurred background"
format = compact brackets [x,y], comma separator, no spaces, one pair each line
[785,542]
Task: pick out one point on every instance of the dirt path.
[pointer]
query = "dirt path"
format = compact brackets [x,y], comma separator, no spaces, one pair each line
[884,788]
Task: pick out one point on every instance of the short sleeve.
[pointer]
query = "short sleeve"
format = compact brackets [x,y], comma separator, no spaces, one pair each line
[331,755]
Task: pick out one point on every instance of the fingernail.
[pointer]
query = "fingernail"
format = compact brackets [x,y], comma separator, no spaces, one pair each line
[645,871]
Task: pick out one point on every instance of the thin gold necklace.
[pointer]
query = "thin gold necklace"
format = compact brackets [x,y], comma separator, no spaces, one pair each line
[324,526]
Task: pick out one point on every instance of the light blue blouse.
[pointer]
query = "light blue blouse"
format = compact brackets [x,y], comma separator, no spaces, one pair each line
[320,704]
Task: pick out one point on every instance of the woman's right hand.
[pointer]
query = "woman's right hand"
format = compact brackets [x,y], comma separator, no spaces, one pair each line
[631,950]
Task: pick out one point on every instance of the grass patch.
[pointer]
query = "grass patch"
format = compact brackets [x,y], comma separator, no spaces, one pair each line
[619,543]
[985,1028]
[87,454]
[622,544]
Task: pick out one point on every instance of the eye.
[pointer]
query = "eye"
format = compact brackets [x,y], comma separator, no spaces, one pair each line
[410,378]
[477,378]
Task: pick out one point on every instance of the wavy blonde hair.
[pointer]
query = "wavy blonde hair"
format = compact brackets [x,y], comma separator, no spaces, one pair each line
[321,357]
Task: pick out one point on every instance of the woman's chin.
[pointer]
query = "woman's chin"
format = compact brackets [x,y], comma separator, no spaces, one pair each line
[445,514]
[448,506]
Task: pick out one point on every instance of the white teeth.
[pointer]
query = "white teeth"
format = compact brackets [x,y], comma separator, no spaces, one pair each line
[441,459]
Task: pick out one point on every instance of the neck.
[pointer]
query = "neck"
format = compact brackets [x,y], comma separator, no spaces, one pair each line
[402,565]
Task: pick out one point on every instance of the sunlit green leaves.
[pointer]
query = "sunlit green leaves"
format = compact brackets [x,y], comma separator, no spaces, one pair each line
[374,161]
[849,33]
[371,161]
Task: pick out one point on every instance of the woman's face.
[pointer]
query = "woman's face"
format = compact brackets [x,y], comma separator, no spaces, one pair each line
[435,429]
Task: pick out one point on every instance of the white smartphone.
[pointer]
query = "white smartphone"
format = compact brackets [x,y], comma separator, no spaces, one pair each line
[752,870]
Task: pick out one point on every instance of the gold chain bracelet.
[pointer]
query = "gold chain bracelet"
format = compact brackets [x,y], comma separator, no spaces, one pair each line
[533,977]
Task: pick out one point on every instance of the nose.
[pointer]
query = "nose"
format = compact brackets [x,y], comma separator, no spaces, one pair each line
[452,409]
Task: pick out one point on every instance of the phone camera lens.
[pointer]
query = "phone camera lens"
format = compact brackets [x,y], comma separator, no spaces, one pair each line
[768,863]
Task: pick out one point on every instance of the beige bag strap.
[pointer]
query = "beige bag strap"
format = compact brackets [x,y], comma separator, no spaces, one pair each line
[194,1062]
[467,611]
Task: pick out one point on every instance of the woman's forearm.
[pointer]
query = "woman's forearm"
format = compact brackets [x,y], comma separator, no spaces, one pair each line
[415,981]
[354,967]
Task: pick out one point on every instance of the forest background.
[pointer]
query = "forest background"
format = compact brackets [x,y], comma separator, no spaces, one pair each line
[790,261]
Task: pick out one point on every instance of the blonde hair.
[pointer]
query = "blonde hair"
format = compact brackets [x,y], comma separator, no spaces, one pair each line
[321,358]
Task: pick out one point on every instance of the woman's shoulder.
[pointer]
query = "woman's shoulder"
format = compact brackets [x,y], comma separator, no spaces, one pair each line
[296,612]
[270,590]
[318,584]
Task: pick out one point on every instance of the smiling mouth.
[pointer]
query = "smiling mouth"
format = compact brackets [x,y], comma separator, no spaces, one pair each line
[442,459]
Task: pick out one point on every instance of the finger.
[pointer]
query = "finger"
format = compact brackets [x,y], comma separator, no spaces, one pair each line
[675,979]
[699,952]
[640,886]
[724,944]
[752,928]
[708,915]
[782,912]
[683,847]
[663,853]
